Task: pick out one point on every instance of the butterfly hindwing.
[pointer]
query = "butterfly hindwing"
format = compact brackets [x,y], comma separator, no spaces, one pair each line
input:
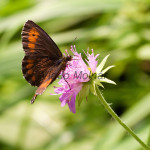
[50,77]
[36,69]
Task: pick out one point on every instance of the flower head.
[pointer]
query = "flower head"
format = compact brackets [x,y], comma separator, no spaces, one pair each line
[81,78]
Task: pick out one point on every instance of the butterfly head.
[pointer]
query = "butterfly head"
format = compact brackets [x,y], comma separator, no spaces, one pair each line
[68,58]
[65,61]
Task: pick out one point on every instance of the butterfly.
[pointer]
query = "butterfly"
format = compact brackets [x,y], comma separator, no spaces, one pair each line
[43,61]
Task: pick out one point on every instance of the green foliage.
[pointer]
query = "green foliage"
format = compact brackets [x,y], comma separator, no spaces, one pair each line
[115,27]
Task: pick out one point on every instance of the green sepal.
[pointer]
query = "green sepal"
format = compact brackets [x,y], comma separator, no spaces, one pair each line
[84,92]
[92,88]
[101,65]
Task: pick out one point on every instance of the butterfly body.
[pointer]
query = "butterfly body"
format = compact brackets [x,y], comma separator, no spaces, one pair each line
[43,61]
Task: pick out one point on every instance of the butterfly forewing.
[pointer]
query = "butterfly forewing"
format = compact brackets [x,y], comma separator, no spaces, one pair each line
[37,42]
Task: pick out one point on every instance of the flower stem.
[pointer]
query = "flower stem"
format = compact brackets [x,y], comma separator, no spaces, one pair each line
[116,117]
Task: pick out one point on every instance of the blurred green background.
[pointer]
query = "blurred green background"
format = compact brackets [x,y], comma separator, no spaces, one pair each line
[120,28]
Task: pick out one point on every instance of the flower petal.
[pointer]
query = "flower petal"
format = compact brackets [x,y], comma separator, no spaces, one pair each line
[92,62]
[71,103]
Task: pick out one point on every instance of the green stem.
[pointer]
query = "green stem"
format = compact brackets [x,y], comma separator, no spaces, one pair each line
[115,116]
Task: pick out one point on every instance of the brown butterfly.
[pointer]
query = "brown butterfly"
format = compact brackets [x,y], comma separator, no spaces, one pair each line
[43,61]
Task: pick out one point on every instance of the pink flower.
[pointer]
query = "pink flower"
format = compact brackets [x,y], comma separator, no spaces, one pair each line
[81,78]
[76,73]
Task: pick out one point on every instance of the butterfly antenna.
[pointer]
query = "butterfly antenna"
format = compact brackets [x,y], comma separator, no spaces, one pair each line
[74,40]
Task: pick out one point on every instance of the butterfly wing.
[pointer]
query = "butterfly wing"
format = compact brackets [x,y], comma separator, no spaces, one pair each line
[35,69]
[40,53]
[42,57]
